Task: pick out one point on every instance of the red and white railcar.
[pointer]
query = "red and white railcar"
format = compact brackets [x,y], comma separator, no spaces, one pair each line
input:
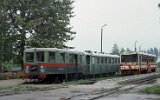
[137,63]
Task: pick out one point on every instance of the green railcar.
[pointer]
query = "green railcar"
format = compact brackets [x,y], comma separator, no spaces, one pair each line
[53,63]
[99,64]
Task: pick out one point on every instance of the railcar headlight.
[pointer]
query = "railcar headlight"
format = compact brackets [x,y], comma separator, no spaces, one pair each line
[42,69]
[27,69]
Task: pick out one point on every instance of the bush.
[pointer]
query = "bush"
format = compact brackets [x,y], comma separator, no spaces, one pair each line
[155,89]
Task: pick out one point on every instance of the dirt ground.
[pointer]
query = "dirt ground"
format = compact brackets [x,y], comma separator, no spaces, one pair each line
[62,91]
[11,82]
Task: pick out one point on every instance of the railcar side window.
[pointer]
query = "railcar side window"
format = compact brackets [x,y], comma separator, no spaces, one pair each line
[129,58]
[40,56]
[71,59]
[106,61]
[62,57]
[98,60]
[29,57]
[109,60]
[112,60]
[51,56]
[80,59]
[115,60]
[118,60]
[102,60]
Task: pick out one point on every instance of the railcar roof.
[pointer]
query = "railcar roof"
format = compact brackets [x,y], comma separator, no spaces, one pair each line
[51,49]
[105,55]
[100,54]
[71,51]
[141,53]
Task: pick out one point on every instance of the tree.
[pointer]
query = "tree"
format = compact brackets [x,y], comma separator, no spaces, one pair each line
[156,51]
[115,50]
[6,41]
[159,53]
[37,23]
[53,25]
[151,51]
[128,50]
[148,51]
[122,50]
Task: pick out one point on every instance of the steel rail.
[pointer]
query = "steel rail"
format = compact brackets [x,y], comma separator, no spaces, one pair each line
[138,82]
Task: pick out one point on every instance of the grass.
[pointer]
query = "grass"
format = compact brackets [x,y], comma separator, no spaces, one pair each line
[155,89]
[24,88]
[83,81]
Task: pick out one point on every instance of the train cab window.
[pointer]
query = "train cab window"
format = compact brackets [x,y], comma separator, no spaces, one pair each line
[40,56]
[51,56]
[62,57]
[29,57]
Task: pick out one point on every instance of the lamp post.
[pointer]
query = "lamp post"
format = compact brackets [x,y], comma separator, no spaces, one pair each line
[135,46]
[139,48]
[102,35]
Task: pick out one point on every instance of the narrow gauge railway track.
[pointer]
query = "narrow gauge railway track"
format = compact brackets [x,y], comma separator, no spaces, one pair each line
[127,85]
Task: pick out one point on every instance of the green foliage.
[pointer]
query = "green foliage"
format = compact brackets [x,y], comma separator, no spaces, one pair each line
[11,66]
[115,50]
[35,23]
[122,50]
[155,89]
[128,50]
[154,51]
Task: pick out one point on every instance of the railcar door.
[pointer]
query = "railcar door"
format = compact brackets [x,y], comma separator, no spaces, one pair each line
[76,64]
[87,64]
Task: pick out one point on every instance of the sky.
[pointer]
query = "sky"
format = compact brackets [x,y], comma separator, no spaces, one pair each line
[127,21]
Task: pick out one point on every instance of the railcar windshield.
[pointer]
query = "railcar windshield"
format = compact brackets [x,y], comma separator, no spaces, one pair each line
[29,57]
[129,58]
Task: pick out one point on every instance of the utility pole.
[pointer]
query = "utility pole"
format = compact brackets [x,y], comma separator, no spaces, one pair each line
[135,46]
